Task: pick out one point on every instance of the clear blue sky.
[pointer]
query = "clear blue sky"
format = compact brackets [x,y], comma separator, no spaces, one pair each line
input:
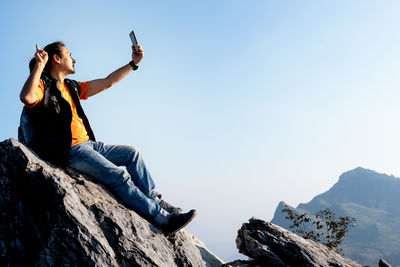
[237,105]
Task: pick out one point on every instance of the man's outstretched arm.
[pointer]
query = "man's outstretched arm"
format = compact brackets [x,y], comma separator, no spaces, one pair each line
[99,85]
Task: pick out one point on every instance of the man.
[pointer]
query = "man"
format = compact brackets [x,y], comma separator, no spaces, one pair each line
[55,126]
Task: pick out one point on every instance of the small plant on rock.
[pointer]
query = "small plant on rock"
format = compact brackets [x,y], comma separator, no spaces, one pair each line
[327,228]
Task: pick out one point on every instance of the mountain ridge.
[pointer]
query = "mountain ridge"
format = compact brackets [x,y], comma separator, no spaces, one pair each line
[370,197]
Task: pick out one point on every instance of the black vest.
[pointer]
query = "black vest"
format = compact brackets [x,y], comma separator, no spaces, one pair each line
[46,128]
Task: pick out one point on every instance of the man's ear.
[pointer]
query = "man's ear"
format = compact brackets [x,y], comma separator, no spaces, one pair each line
[57,58]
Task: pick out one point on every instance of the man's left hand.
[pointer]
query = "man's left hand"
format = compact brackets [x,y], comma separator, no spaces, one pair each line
[137,56]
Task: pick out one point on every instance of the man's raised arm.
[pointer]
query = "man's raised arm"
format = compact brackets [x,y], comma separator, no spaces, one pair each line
[28,93]
[99,85]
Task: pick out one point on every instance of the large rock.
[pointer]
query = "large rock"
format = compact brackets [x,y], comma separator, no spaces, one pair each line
[271,245]
[55,217]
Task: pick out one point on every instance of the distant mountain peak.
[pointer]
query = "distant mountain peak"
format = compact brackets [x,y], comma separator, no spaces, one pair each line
[360,170]
[373,199]
[360,174]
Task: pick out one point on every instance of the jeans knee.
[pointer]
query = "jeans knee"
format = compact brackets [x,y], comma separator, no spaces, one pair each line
[119,178]
[135,152]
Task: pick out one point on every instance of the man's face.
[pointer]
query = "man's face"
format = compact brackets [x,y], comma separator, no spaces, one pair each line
[67,61]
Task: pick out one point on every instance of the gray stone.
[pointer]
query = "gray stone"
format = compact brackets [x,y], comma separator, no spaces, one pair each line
[383,263]
[55,217]
[274,246]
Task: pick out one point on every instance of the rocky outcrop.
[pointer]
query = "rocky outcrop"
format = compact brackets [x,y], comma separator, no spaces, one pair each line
[271,245]
[56,217]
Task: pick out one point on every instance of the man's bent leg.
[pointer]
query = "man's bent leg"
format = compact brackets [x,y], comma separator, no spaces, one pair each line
[131,158]
[85,159]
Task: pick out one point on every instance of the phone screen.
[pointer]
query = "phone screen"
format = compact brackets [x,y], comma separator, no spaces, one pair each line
[134,42]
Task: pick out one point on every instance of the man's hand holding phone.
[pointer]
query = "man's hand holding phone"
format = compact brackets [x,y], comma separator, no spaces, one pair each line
[137,50]
[137,56]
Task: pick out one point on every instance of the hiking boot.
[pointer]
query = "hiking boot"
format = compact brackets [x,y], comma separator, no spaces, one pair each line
[169,208]
[177,221]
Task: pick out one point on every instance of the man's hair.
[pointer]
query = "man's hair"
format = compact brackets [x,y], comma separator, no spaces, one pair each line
[51,49]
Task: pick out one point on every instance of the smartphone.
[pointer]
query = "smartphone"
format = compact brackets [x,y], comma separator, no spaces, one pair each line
[134,42]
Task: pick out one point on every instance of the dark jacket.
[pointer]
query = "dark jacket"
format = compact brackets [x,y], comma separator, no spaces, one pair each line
[46,128]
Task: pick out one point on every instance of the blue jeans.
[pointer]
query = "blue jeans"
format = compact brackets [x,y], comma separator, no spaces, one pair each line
[121,169]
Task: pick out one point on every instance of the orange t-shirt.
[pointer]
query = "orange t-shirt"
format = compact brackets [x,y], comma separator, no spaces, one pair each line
[78,130]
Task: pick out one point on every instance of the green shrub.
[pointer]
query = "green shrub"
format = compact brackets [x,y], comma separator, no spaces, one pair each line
[327,228]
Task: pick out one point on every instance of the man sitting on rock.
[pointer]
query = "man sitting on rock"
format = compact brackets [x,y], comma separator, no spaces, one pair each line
[54,125]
